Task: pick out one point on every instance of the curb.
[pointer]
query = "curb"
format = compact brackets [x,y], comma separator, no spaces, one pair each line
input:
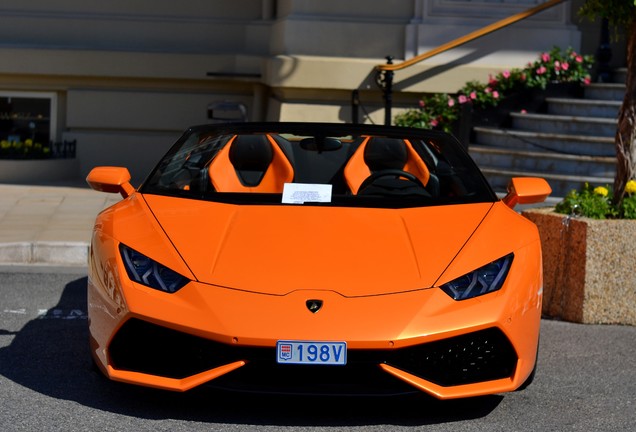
[50,253]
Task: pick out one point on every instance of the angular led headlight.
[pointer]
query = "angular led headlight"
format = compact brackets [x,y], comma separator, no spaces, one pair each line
[147,272]
[484,280]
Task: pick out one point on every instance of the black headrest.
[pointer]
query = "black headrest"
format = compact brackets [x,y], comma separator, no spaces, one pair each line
[251,156]
[385,153]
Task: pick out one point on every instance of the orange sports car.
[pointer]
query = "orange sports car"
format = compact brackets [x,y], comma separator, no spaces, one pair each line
[316,258]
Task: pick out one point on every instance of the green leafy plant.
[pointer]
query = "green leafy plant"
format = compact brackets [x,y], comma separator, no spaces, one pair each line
[559,66]
[435,111]
[597,203]
[440,110]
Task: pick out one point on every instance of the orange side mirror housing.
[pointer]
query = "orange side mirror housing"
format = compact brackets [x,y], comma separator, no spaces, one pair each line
[111,179]
[526,190]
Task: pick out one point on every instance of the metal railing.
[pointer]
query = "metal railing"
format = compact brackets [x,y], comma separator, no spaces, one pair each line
[385,72]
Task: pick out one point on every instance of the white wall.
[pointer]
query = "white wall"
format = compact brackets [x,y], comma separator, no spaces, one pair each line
[131,75]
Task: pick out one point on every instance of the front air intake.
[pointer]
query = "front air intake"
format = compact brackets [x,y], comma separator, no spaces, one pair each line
[479,356]
[143,347]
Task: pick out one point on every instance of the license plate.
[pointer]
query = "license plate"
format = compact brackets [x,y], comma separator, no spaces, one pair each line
[310,352]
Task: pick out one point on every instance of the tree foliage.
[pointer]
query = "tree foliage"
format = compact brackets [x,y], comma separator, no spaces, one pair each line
[621,15]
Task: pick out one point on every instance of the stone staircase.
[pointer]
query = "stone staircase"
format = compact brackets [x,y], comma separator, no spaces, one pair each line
[567,140]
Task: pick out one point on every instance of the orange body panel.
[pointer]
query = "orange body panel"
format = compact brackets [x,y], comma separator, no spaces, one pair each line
[292,247]
[270,305]
[171,383]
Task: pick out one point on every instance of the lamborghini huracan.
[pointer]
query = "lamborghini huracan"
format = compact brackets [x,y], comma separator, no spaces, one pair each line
[315,258]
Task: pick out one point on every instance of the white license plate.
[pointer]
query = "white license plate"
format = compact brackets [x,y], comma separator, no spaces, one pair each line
[310,352]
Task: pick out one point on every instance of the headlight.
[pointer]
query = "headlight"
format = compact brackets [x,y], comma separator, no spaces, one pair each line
[147,272]
[484,280]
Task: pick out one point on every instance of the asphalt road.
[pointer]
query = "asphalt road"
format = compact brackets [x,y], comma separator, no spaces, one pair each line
[586,381]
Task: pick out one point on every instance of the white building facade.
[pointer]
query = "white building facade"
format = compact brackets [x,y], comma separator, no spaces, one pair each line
[123,78]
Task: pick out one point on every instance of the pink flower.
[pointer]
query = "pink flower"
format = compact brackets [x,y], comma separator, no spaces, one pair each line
[541,70]
[473,95]
[421,103]
[434,122]
[451,102]
[524,111]
[495,94]
[491,80]
[565,66]
[579,59]
[557,65]
[545,57]
[506,74]
[462,99]
[487,90]
[587,80]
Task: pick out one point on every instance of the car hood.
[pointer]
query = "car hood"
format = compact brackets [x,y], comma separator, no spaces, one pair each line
[352,251]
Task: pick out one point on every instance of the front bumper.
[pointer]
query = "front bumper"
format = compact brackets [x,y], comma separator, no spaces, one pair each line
[399,343]
[148,349]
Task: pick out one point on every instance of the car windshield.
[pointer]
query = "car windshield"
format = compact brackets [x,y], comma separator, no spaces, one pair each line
[319,164]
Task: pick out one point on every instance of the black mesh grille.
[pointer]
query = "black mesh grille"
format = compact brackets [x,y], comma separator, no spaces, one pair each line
[143,347]
[480,356]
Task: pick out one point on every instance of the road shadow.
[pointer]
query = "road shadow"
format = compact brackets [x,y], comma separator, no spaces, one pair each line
[50,355]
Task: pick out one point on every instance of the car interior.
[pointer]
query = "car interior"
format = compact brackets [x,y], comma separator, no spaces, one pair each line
[355,166]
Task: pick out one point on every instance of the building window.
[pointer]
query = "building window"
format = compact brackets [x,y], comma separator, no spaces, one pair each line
[28,116]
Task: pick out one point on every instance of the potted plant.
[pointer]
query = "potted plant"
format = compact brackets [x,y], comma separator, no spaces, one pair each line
[588,252]
[513,89]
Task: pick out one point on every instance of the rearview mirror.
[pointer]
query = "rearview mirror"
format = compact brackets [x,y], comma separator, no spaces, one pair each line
[111,179]
[526,190]
[321,144]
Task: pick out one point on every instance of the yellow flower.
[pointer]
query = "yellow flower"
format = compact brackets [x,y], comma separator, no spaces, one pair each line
[630,187]
[602,191]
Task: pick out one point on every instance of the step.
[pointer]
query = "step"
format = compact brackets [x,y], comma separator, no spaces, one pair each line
[605,91]
[548,123]
[561,184]
[619,75]
[561,143]
[540,162]
[584,107]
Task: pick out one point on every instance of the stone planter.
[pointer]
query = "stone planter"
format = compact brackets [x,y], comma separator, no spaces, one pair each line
[589,268]
[38,170]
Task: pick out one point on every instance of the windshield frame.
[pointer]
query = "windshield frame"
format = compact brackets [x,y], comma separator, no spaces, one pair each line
[325,136]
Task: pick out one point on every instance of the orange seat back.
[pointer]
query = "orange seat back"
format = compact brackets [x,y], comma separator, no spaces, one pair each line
[260,156]
[357,168]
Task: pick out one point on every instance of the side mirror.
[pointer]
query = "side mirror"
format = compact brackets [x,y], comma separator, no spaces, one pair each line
[526,190]
[111,179]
